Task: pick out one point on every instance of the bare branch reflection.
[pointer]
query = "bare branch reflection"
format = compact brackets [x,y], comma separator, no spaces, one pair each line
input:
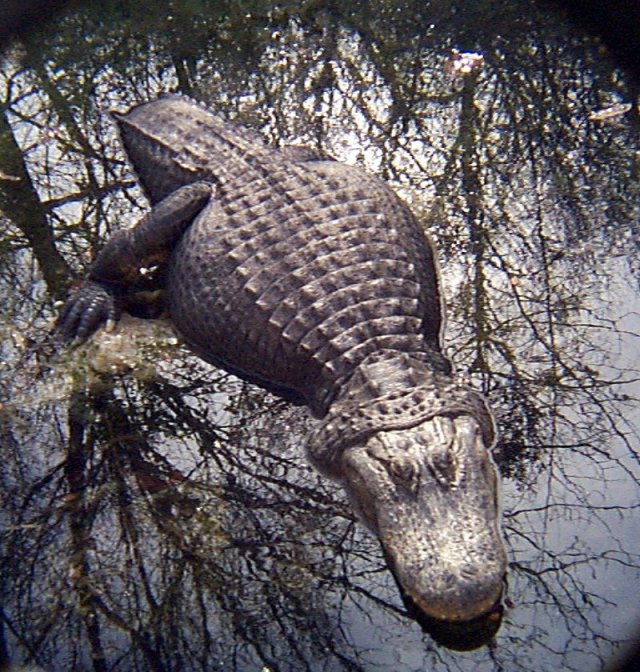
[158,514]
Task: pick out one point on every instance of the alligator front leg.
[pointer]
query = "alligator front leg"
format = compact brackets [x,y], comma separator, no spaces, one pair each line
[118,265]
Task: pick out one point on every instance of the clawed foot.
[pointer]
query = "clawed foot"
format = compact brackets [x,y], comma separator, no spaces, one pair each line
[86,310]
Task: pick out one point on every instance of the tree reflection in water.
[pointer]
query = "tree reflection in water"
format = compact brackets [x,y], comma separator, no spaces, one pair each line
[156,513]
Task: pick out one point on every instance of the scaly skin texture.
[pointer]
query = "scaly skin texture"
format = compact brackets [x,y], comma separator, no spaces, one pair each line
[312,279]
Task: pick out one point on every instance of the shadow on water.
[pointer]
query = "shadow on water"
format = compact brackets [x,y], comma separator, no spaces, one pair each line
[158,514]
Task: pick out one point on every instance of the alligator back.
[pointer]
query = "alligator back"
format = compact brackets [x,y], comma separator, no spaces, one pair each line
[297,270]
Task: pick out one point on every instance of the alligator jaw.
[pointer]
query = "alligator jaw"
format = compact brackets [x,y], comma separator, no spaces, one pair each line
[431,495]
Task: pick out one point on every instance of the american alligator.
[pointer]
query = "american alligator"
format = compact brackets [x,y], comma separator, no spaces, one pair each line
[314,280]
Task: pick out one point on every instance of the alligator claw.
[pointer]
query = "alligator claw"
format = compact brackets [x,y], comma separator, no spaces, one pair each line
[86,310]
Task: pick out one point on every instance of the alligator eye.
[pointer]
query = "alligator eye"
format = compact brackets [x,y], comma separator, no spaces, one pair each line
[443,466]
[400,468]
[405,474]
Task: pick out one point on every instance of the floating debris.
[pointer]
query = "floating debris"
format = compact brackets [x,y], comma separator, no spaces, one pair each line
[463,63]
[611,112]
[9,178]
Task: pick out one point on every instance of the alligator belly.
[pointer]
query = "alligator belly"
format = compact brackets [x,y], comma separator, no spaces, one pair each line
[292,279]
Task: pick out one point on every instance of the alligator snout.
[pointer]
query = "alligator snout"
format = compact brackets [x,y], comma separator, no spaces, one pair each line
[461,595]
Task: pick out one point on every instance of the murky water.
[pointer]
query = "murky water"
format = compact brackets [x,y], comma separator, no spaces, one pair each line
[158,514]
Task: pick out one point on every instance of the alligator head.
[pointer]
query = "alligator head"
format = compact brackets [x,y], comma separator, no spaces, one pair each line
[417,465]
[430,493]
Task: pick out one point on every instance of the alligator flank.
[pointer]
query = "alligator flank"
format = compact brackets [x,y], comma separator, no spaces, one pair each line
[314,280]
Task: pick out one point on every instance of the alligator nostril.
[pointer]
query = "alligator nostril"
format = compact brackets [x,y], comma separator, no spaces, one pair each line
[448,579]
[469,572]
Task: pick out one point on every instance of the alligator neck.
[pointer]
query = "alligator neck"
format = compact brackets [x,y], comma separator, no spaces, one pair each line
[388,391]
[387,372]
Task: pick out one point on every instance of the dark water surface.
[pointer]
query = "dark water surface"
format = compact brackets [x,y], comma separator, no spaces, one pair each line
[157,514]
